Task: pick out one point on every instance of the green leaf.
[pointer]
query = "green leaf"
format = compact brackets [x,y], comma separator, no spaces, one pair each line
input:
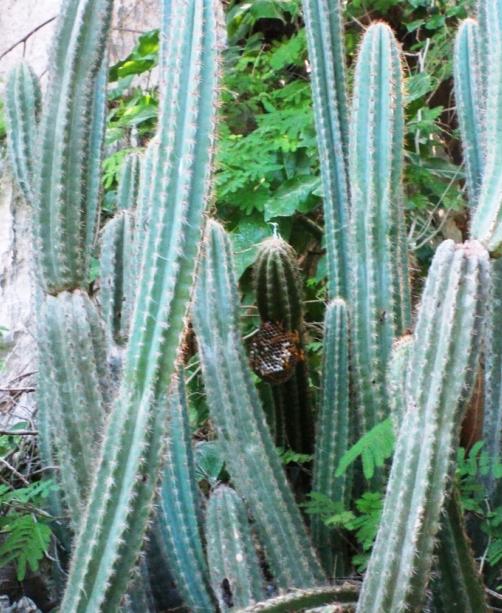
[245,239]
[26,540]
[294,195]
[209,461]
[373,448]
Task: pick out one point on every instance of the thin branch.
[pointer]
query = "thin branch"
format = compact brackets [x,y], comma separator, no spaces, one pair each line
[18,432]
[23,40]
[17,390]
[14,471]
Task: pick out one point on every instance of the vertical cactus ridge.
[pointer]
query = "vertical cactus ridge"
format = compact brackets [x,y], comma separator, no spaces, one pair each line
[73,347]
[492,410]
[486,223]
[236,577]
[22,106]
[323,20]
[396,378]
[375,175]
[176,524]
[116,283]
[457,584]
[440,376]
[128,185]
[332,438]
[116,516]
[279,298]
[250,455]
[69,154]
[468,95]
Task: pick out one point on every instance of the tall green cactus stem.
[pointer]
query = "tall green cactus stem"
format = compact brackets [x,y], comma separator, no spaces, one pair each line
[117,283]
[332,439]
[176,526]
[66,177]
[492,411]
[236,576]
[379,282]
[128,187]
[486,223]
[22,106]
[72,346]
[469,103]
[323,20]
[396,377]
[457,584]
[439,380]
[250,455]
[341,597]
[121,498]
[280,300]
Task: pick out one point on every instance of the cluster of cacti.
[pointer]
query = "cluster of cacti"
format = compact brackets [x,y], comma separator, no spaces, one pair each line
[113,412]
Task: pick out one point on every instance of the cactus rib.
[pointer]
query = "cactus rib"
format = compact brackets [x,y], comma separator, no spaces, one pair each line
[342,596]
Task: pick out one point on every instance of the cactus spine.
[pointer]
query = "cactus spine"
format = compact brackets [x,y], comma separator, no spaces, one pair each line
[396,378]
[468,97]
[439,379]
[279,299]
[332,431]
[250,454]
[176,526]
[22,105]
[324,28]
[375,179]
[236,577]
[121,497]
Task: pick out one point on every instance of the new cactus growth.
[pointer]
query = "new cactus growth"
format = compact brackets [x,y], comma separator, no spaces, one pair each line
[439,379]
[176,525]
[236,577]
[279,299]
[332,439]
[22,105]
[250,455]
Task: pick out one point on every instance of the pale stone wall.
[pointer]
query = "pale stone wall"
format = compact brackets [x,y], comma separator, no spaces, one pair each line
[20,17]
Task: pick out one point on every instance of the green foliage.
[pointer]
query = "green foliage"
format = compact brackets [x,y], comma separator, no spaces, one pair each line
[374,448]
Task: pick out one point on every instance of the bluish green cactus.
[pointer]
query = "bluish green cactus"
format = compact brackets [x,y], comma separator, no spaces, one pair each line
[379,282]
[66,175]
[439,380]
[176,526]
[236,577]
[120,501]
[22,106]
[333,432]
[250,455]
[339,598]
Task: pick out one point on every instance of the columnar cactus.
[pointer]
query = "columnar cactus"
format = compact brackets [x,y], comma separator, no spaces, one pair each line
[380,292]
[66,177]
[396,378]
[250,455]
[327,55]
[339,598]
[279,298]
[22,105]
[176,526]
[120,501]
[439,379]
[332,439]
[236,577]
